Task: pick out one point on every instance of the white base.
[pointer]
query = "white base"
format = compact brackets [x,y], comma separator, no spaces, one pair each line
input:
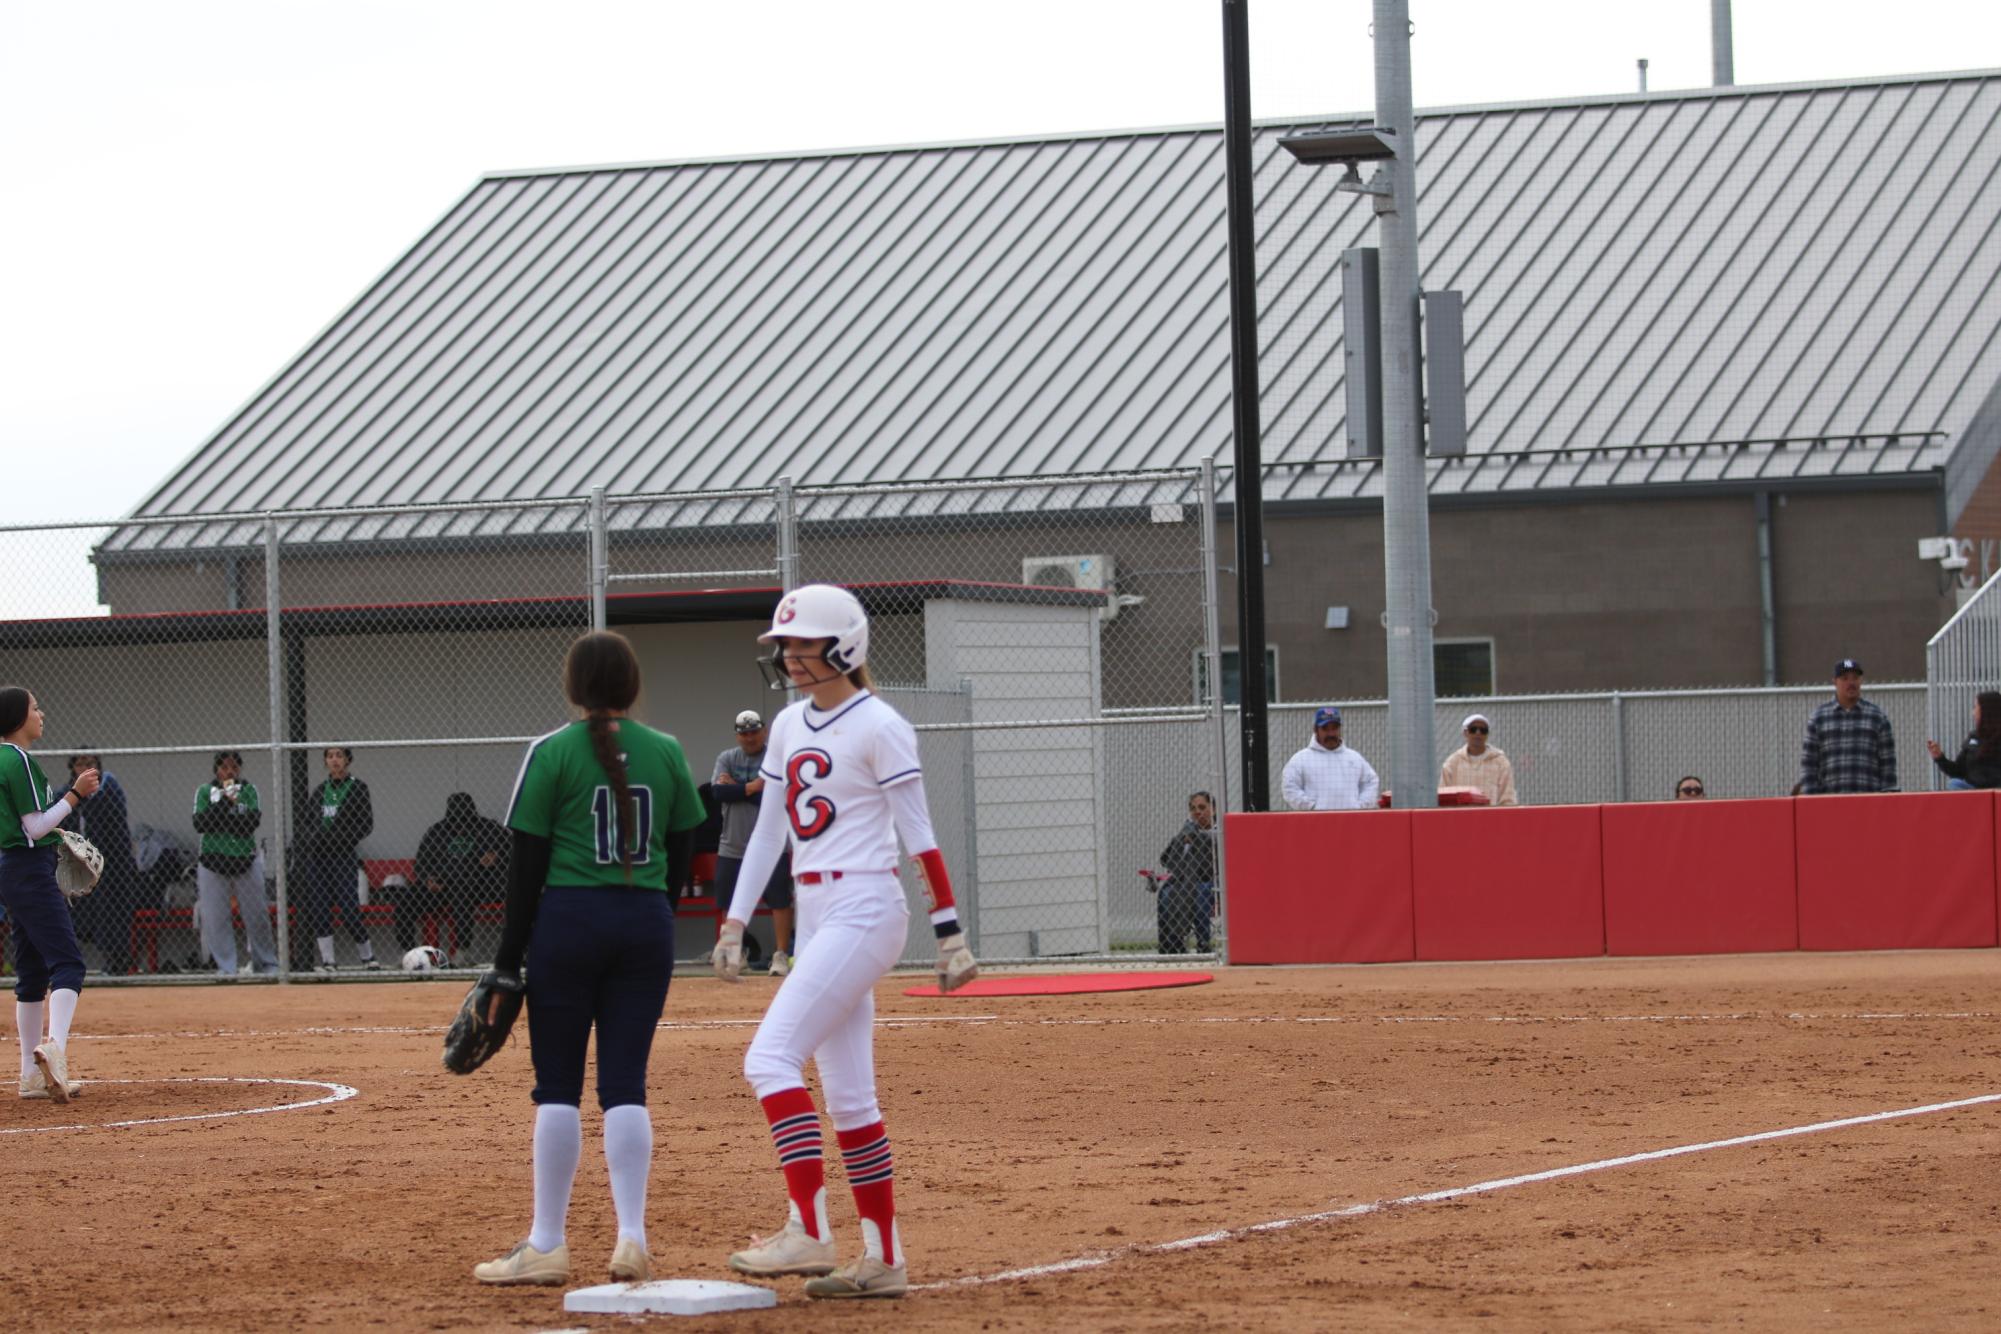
[669,1296]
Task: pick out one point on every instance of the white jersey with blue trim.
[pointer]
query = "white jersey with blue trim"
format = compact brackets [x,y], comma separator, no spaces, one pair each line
[835,768]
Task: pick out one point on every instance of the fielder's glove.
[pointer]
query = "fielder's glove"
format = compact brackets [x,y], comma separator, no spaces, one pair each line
[727,959]
[956,964]
[484,1019]
[78,864]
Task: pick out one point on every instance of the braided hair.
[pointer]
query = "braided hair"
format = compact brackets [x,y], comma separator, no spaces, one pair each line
[601,677]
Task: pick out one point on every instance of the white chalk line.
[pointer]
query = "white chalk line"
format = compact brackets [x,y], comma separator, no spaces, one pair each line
[1101,1259]
[335,1093]
[1058,1021]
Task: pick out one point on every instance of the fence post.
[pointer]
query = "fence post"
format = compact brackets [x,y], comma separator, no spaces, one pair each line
[1618,746]
[968,779]
[281,807]
[788,535]
[600,558]
[1212,655]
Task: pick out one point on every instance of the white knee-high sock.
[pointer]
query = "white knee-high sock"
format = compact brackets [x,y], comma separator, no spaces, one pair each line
[559,1143]
[628,1156]
[28,1027]
[62,1009]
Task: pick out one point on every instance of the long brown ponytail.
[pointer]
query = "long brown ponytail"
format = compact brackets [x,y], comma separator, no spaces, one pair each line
[601,677]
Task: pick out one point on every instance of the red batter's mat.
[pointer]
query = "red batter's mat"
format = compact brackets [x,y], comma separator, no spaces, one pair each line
[1068,984]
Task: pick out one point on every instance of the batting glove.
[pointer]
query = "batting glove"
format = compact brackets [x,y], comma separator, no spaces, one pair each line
[727,959]
[956,965]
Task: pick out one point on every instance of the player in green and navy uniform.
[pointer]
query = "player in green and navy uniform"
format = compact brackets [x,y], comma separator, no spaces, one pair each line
[48,965]
[600,815]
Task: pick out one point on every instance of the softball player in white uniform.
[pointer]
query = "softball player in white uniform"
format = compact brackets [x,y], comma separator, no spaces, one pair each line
[842,783]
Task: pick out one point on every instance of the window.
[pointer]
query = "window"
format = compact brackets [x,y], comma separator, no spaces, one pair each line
[1233,680]
[1463,666]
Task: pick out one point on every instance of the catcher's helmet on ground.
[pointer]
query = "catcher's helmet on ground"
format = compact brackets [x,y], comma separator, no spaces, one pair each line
[424,959]
[822,611]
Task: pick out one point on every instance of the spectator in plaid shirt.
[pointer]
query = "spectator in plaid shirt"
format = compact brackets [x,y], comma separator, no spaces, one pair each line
[1848,746]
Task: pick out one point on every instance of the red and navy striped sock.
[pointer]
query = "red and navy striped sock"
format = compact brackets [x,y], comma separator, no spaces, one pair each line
[871,1173]
[795,1133]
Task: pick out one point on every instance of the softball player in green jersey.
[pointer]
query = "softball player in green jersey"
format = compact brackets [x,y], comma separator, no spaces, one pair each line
[600,816]
[48,965]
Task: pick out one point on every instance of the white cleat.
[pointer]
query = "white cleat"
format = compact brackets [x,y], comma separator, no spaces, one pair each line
[789,1251]
[781,964]
[525,1264]
[52,1059]
[36,1085]
[629,1262]
[864,1277]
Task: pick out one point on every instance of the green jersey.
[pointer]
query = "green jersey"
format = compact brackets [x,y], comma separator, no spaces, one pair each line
[221,837]
[24,789]
[564,795]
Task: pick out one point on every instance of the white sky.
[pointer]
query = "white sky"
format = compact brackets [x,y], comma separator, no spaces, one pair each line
[193,188]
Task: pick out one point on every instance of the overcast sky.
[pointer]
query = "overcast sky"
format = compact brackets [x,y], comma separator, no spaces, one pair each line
[193,188]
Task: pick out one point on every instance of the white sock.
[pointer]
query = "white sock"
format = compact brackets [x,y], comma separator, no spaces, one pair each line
[367,949]
[62,1009]
[28,1027]
[326,949]
[559,1143]
[628,1156]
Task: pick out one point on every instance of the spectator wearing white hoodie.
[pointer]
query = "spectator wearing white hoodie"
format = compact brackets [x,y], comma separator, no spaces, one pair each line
[1328,776]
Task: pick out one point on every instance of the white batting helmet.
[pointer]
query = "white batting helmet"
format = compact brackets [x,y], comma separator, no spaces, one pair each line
[822,611]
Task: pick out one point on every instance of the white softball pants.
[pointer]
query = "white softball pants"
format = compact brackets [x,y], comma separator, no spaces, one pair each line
[851,932]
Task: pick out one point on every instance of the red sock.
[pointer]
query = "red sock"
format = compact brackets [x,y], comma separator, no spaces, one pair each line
[871,1173]
[795,1132]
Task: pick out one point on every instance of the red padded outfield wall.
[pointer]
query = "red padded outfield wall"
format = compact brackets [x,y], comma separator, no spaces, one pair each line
[1899,871]
[1911,870]
[1519,882]
[1319,888]
[1700,877]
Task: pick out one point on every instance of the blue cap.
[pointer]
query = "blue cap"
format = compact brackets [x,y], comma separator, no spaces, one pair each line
[1847,665]
[1327,715]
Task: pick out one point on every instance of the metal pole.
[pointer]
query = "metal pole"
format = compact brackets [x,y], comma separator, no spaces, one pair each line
[1248,453]
[788,534]
[1212,657]
[969,783]
[1619,779]
[1767,598]
[1413,769]
[1643,74]
[600,559]
[1722,62]
[280,806]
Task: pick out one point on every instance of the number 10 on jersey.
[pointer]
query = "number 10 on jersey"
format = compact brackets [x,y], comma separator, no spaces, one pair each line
[605,822]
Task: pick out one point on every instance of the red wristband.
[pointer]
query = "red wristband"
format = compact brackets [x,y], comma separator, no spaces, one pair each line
[937,882]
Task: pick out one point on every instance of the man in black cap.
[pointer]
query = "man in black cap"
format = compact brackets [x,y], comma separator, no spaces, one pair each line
[1849,746]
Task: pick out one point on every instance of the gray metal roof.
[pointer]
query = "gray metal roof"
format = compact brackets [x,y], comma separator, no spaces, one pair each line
[1808,262]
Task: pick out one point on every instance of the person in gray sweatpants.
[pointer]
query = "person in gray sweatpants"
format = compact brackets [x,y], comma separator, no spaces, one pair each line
[231,867]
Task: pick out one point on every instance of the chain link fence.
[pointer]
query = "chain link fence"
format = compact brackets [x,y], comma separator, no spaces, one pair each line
[1630,746]
[373,675]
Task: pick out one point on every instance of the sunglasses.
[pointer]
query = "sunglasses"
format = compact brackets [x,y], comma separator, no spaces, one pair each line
[1481,730]
[1691,791]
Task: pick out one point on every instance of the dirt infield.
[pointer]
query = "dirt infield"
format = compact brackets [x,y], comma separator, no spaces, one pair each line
[1031,1132]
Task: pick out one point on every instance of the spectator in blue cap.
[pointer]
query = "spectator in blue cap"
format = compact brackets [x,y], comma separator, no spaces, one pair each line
[1328,775]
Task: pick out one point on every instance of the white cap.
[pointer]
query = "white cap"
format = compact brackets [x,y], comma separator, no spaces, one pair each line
[1472,718]
[749,721]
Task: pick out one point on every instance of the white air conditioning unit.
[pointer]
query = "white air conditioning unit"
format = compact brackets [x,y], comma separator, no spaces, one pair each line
[1072,572]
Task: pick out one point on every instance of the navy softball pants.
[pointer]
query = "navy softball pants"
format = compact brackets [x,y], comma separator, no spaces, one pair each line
[601,956]
[45,950]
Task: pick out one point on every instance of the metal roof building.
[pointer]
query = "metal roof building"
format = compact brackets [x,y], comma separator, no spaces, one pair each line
[1805,280]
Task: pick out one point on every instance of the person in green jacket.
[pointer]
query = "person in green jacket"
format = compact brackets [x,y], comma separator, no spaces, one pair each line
[231,867]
